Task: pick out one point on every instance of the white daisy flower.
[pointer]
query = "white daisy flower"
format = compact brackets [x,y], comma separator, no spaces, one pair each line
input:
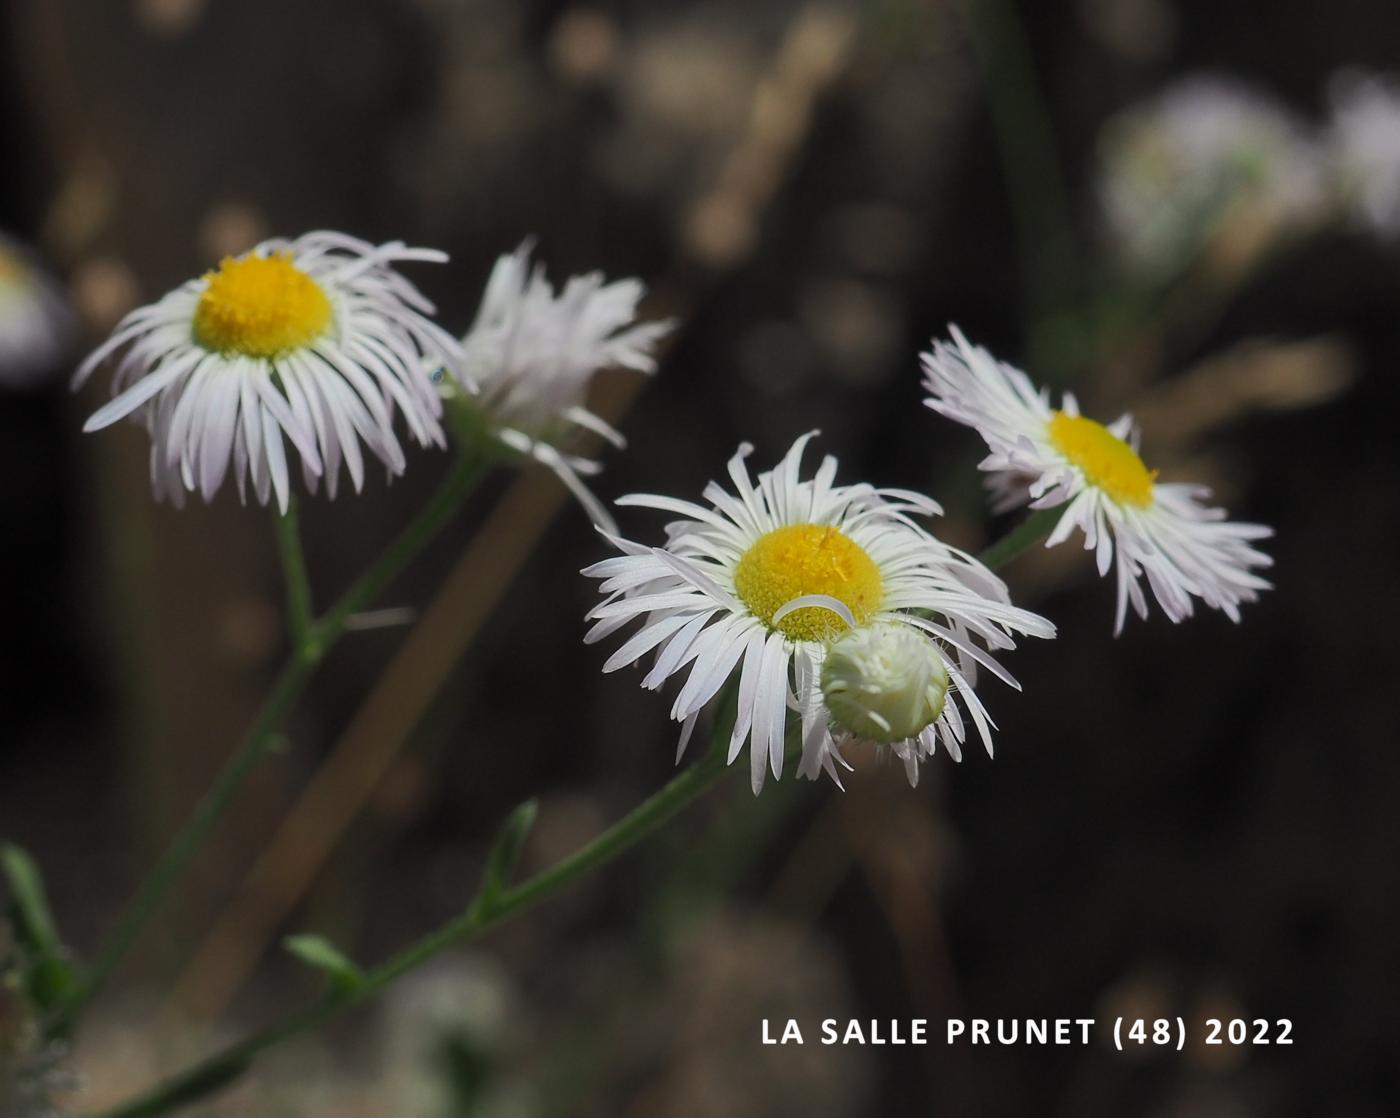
[317,339]
[764,579]
[534,355]
[36,322]
[1205,150]
[1051,457]
[1363,139]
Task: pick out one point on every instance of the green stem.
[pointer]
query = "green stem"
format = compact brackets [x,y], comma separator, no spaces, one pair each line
[213,1073]
[1034,528]
[300,612]
[1025,136]
[216,1071]
[442,506]
[311,645]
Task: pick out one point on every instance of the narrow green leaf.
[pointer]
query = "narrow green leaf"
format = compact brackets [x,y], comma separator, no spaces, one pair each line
[505,852]
[323,955]
[48,976]
[30,903]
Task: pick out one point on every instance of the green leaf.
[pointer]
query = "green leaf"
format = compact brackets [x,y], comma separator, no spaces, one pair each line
[48,976]
[321,953]
[505,852]
[27,895]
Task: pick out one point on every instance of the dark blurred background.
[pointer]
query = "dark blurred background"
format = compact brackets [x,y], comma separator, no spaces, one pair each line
[1194,819]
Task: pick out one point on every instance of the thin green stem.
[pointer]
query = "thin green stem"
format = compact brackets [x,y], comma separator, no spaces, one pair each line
[442,506]
[214,1072]
[156,888]
[1025,136]
[300,612]
[311,645]
[1031,531]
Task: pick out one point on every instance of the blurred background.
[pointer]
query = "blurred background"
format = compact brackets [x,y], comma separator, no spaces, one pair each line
[1186,209]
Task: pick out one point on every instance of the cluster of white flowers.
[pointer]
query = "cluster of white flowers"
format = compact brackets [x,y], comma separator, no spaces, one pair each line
[833,612]
[1210,152]
[320,343]
[840,617]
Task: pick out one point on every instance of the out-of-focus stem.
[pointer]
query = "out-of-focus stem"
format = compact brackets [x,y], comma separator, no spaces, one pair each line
[311,641]
[216,1071]
[1035,181]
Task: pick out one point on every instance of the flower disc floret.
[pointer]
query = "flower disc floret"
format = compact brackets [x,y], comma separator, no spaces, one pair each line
[802,560]
[260,306]
[1107,461]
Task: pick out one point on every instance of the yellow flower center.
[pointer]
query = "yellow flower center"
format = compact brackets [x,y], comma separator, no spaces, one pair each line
[803,559]
[1107,461]
[260,306]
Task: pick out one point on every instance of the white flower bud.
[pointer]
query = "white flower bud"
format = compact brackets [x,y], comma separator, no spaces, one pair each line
[884,681]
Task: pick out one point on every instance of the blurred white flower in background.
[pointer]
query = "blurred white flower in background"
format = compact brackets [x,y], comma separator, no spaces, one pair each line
[318,340]
[1208,156]
[36,322]
[534,354]
[1363,146]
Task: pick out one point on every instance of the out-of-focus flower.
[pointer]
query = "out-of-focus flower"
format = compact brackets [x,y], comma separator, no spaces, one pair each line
[1363,144]
[316,339]
[1206,153]
[36,322]
[534,355]
[1051,457]
[770,576]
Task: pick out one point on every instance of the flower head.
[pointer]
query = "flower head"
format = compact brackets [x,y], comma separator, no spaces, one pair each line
[534,354]
[317,340]
[36,323]
[777,577]
[1205,151]
[1051,457]
[1363,139]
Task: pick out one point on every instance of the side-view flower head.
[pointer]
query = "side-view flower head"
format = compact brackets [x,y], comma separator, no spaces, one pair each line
[802,586]
[36,322]
[1050,457]
[318,340]
[534,354]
